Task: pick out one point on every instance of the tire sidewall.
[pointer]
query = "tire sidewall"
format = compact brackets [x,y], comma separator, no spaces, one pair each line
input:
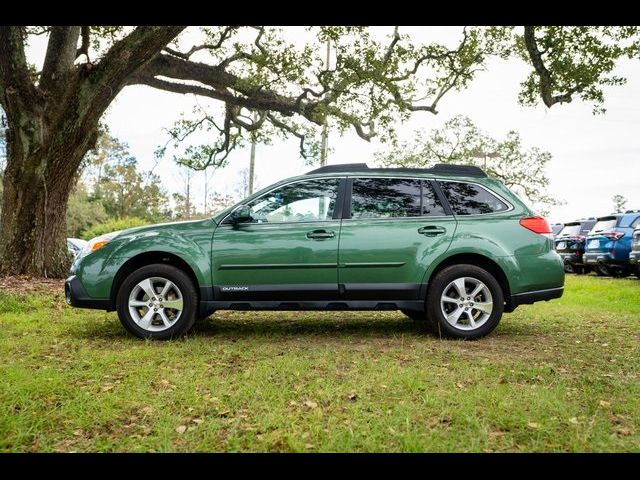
[175,275]
[440,282]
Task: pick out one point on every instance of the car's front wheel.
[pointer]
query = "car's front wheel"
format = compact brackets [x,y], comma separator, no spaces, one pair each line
[465,301]
[157,301]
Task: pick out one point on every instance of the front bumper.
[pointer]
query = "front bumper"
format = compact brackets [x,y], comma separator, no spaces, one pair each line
[77,296]
[527,298]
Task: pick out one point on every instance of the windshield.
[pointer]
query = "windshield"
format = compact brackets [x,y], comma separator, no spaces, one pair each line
[570,229]
[604,225]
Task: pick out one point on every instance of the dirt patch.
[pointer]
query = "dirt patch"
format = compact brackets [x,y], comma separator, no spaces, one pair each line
[25,284]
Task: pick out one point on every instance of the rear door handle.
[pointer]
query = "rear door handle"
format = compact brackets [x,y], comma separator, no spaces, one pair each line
[320,234]
[431,231]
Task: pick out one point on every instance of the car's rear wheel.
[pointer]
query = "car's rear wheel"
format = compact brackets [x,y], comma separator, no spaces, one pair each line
[465,301]
[602,271]
[157,301]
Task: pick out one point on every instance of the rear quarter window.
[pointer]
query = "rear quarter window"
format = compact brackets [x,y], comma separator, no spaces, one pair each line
[471,199]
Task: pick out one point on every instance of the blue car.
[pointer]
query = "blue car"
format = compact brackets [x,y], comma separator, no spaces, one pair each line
[634,256]
[609,243]
[570,242]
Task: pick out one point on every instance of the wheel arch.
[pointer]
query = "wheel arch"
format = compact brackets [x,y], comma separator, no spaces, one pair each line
[148,258]
[480,261]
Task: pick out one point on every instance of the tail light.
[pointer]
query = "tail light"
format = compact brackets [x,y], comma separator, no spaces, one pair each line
[614,235]
[537,225]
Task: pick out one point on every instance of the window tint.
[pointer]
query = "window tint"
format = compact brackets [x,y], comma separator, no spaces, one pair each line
[393,197]
[312,200]
[570,230]
[587,226]
[470,199]
[608,223]
[629,221]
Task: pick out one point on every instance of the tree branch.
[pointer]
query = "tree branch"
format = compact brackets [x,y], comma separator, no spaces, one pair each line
[546,83]
[124,59]
[84,46]
[14,72]
[61,52]
[220,82]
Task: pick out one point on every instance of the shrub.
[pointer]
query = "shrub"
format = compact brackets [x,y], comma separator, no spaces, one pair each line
[112,226]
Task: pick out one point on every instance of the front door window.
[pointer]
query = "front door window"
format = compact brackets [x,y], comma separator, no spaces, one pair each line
[306,201]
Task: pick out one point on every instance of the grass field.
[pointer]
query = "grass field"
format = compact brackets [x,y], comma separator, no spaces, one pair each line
[555,376]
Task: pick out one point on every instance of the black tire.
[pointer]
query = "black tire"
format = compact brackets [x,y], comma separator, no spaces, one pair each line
[568,268]
[416,315]
[436,290]
[186,287]
[636,271]
[602,271]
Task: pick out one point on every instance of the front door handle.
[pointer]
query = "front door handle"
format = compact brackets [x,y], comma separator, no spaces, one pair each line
[320,234]
[431,231]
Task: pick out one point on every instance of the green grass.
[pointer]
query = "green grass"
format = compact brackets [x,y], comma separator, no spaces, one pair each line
[555,376]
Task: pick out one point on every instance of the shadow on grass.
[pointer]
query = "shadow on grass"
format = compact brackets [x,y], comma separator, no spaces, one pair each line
[335,325]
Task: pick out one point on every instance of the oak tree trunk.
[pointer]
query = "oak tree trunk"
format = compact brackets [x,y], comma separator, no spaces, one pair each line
[43,156]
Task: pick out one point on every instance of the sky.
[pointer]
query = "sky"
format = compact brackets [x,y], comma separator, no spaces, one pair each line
[594,156]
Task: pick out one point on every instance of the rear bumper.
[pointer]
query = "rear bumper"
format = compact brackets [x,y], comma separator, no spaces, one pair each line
[77,296]
[571,258]
[527,298]
[603,258]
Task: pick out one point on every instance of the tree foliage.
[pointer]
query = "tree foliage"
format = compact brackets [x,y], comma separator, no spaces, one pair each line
[113,225]
[573,62]
[460,141]
[83,211]
[120,186]
[619,203]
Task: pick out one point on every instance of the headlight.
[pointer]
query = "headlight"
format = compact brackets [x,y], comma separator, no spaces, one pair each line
[97,243]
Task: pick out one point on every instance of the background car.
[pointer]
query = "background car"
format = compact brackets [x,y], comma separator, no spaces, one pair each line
[634,256]
[609,243]
[556,228]
[75,246]
[570,244]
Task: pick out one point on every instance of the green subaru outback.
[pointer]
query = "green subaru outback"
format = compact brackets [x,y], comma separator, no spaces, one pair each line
[447,245]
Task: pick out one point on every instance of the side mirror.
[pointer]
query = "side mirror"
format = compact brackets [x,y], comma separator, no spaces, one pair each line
[241,214]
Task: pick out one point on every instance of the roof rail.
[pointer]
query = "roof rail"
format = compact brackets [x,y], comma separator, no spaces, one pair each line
[632,211]
[342,167]
[438,169]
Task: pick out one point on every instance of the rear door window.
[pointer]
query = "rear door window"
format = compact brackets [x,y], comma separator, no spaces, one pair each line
[393,198]
[471,199]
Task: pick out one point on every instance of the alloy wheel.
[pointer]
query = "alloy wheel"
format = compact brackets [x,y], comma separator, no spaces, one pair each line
[466,303]
[155,304]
